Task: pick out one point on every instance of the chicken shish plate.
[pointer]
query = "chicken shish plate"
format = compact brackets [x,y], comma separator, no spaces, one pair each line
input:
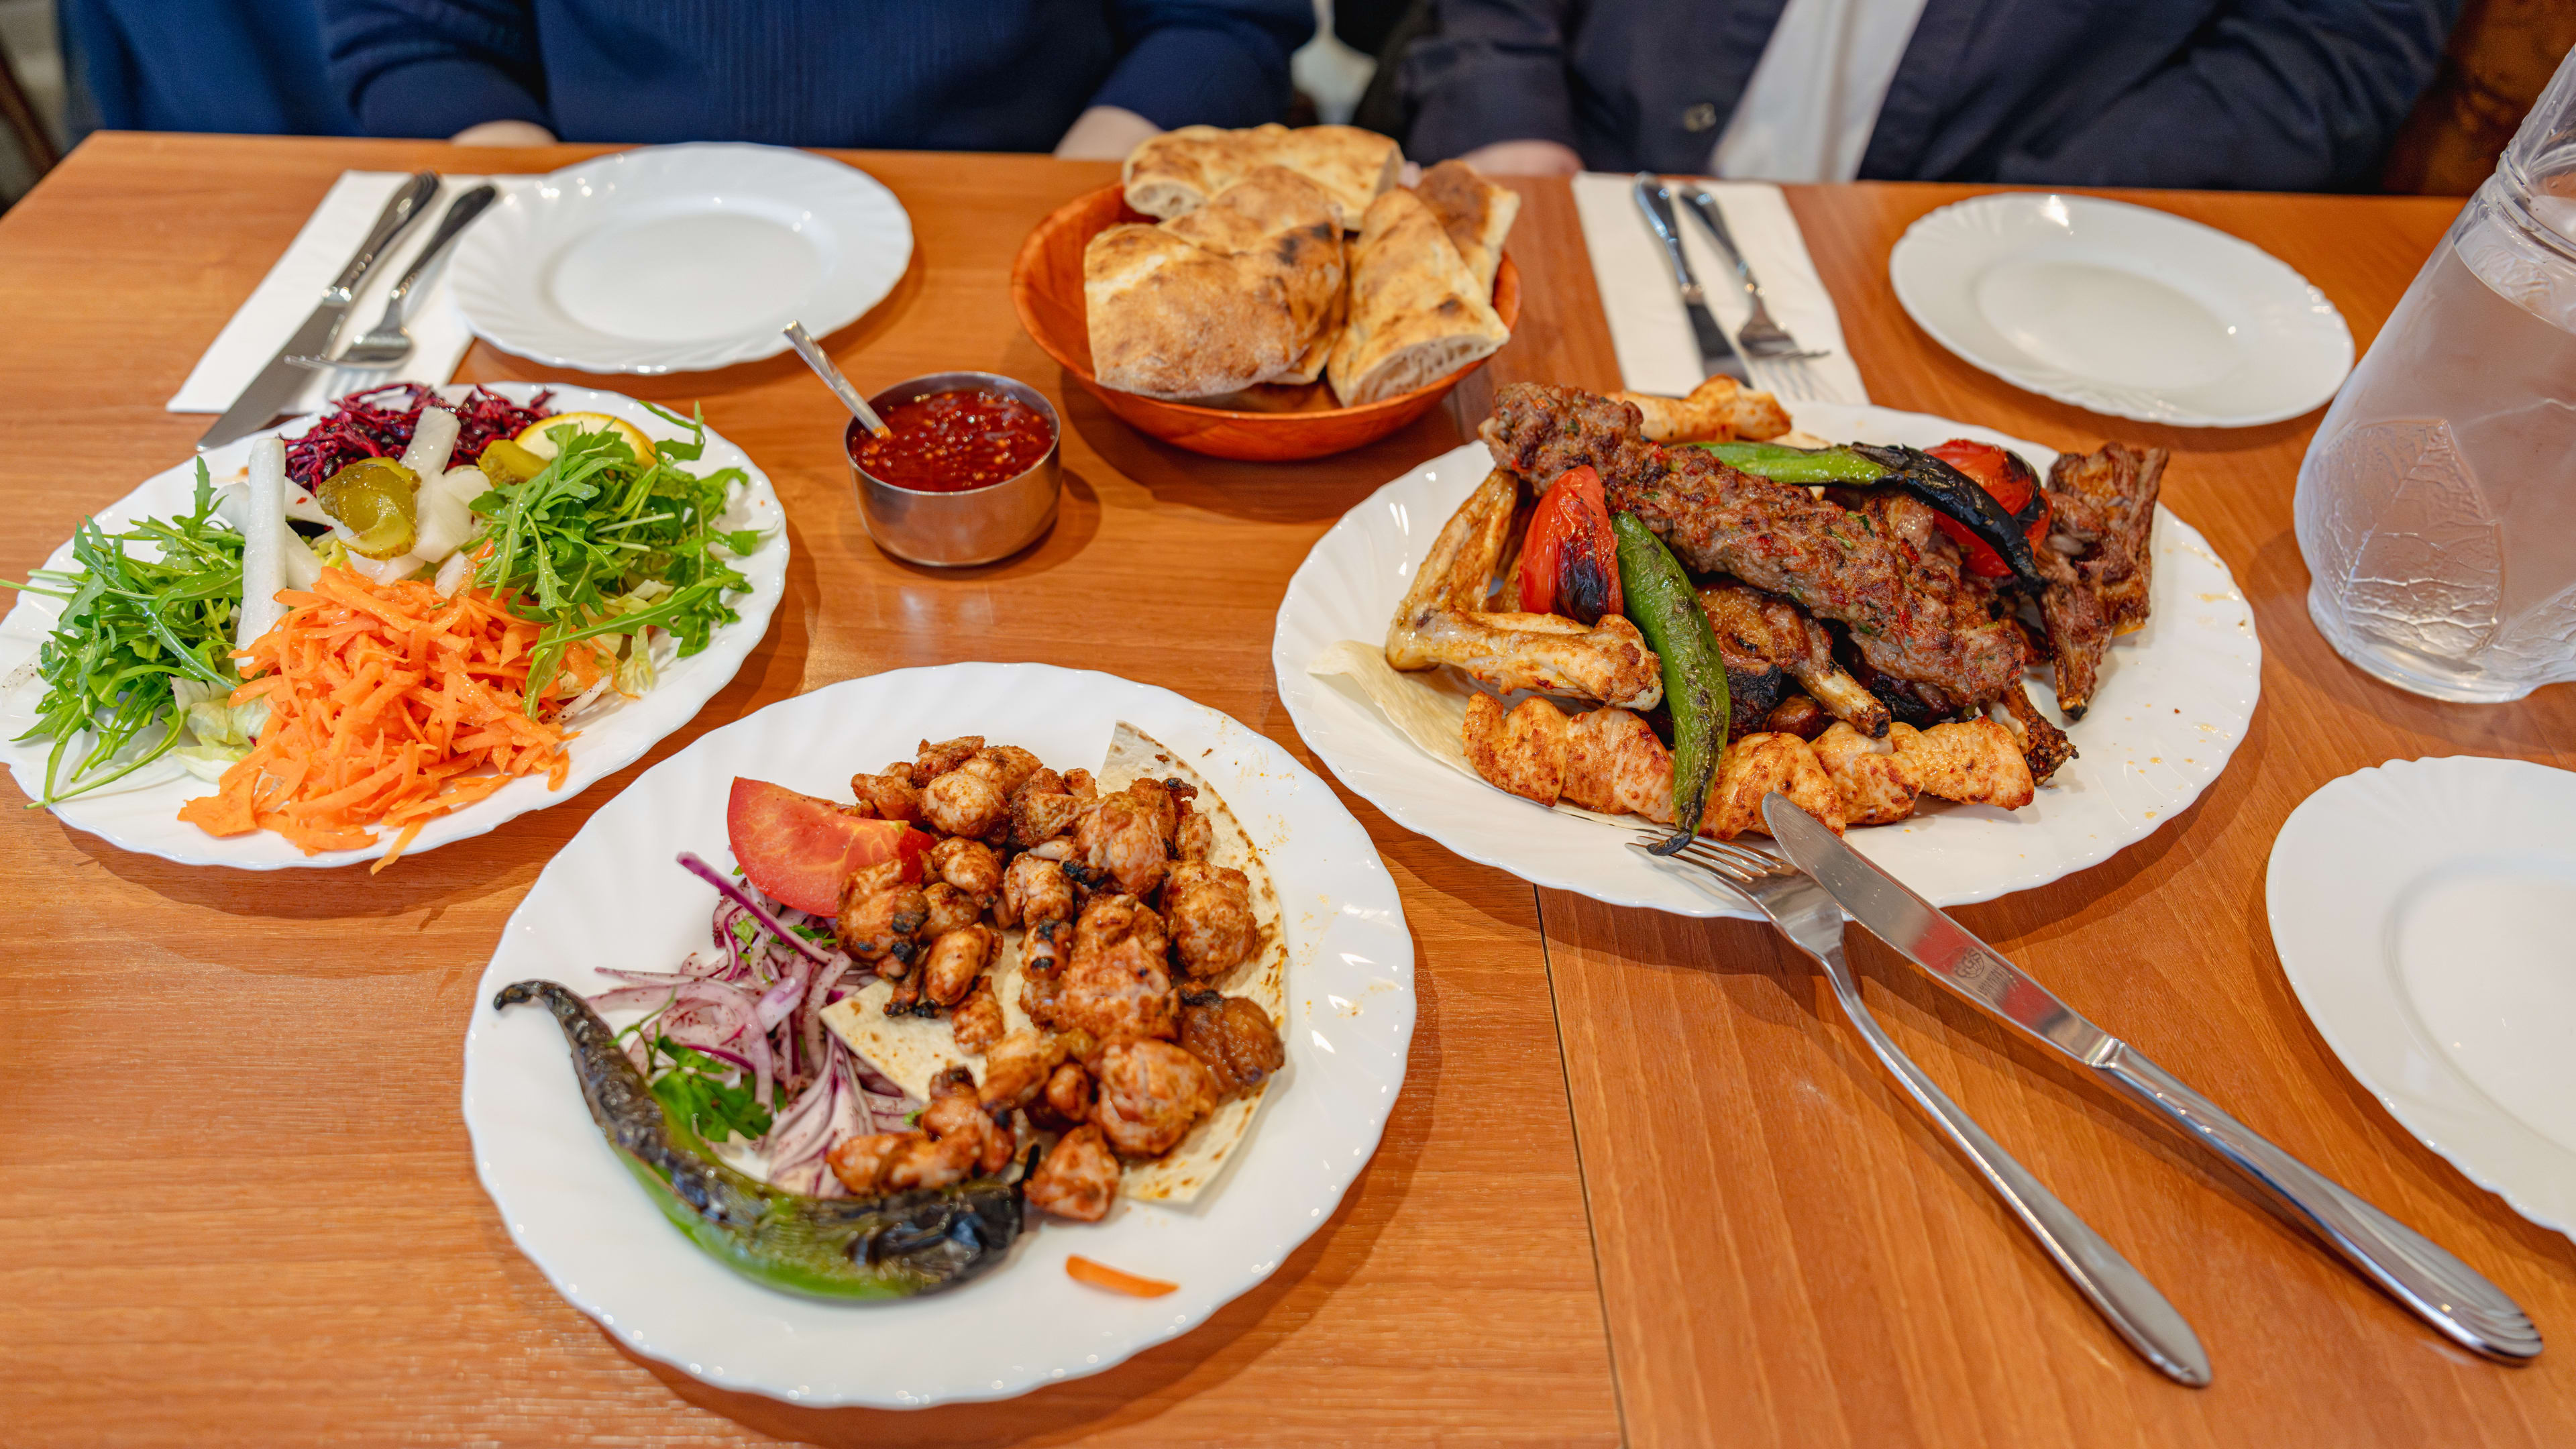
[981,988]
[1672,610]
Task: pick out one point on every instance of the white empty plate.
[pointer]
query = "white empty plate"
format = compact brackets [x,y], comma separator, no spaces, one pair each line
[679,258]
[2421,912]
[2121,309]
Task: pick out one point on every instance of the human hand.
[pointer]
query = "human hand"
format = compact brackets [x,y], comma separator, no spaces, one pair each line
[504,133]
[1105,133]
[1525,158]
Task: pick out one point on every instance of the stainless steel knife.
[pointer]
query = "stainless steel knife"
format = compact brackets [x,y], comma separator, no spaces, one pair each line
[1716,354]
[279,382]
[2439,1288]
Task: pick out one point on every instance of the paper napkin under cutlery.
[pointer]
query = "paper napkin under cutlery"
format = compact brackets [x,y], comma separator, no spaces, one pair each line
[1647,327]
[288,293]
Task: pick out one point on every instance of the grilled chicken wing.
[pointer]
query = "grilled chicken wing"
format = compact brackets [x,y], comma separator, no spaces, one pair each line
[1443,620]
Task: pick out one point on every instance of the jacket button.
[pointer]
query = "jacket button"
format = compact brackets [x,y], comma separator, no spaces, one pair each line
[1700,117]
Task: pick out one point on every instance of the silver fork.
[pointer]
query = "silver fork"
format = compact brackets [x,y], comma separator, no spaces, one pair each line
[387,345]
[1813,922]
[1762,339]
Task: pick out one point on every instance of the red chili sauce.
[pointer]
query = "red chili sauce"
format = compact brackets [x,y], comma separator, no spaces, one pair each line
[950,442]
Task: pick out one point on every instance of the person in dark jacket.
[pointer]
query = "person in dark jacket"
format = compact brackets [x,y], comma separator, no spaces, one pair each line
[2287,95]
[250,66]
[1085,77]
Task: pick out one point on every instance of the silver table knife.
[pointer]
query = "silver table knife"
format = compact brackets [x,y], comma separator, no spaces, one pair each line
[2439,1288]
[279,382]
[1716,354]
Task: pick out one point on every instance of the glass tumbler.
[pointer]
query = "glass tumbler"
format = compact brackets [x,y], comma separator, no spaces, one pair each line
[2436,508]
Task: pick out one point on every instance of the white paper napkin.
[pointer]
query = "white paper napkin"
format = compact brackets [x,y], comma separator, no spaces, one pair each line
[293,287]
[1656,351]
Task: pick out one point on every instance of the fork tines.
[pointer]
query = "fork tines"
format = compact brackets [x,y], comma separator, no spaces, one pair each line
[1723,858]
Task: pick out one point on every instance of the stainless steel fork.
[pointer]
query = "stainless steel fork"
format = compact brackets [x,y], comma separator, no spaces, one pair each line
[1761,338]
[1812,921]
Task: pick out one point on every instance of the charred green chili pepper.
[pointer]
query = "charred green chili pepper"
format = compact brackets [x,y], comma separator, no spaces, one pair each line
[1807,466]
[1862,465]
[1964,499]
[1660,603]
[888,1247]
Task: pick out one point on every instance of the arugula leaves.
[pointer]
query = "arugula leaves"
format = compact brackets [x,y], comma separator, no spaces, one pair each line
[130,628]
[579,541]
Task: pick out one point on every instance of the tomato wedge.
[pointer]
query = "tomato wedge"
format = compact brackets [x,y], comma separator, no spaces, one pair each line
[1570,560]
[800,849]
[2010,482]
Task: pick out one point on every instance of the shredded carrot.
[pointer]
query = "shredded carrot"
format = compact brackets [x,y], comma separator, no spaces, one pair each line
[387,706]
[1116,1280]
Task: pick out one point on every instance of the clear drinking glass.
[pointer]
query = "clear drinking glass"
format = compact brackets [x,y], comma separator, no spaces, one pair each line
[2437,505]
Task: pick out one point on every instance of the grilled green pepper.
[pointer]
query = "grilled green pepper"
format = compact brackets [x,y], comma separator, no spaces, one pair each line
[1954,493]
[1807,466]
[888,1247]
[1964,499]
[1660,603]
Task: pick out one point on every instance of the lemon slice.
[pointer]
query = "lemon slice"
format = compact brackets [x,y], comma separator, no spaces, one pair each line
[533,436]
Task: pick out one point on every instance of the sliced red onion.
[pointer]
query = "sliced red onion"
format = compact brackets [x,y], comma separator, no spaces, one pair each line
[619,998]
[650,978]
[798,1133]
[817,996]
[690,862]
[775,1003]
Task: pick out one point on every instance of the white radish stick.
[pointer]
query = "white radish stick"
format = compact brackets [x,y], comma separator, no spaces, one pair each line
[263,543]
[432,439]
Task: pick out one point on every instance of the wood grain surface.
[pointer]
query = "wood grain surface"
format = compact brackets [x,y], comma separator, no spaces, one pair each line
[239,1205]
[1642,1181]
[1788,1254]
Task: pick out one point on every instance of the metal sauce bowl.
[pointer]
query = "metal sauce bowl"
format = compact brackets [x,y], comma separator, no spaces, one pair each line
[953,530]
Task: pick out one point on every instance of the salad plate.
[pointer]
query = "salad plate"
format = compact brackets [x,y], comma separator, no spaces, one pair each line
[2420,911]
[2173,702]
[140,813]
[679,258]
[2121,309]
[576,1212]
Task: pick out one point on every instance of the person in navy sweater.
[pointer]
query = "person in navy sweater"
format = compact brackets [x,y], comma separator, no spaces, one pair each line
[2282,95]
[252,66]
[1079,77]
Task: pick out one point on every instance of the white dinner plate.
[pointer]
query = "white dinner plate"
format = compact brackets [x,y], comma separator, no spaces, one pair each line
[141,812]
[2421,910]
[613,897]
[2121,309]
[679,258]
[2172,703]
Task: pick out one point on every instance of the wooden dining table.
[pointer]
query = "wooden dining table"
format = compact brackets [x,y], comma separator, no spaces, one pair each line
[1642,1183]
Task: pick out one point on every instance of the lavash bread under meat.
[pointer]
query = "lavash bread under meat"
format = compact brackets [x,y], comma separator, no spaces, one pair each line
[1417,310]
[1475,212]
[1180,171]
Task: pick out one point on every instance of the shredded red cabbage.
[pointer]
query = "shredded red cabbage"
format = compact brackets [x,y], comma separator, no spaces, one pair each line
[378,423]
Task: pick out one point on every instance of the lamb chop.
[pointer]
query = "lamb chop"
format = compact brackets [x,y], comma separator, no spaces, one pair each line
[1779,634]
[2095,560]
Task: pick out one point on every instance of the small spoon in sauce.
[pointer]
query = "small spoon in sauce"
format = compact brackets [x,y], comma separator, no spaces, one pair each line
[812,351]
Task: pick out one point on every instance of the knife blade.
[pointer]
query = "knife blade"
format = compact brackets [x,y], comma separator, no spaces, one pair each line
[277,384]
[2434,1285]
[1716,354]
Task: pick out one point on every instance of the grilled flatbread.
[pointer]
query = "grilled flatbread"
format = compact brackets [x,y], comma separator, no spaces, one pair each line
[1275,211]
[1475,213]
[1180,171]
[1170,318]
[1417,311]
[914,1049]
